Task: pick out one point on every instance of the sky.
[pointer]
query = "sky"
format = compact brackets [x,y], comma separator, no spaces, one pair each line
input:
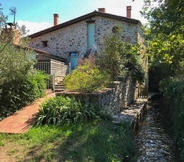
[37,15]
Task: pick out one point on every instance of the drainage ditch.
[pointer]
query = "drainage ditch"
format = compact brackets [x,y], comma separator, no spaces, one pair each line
[153,143]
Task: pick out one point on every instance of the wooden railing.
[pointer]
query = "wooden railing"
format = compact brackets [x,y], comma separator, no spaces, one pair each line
[43,66]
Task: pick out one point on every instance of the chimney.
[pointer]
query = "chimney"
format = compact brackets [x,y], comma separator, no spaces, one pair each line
[56,19]
[129,8]
[101,10]
[10,34]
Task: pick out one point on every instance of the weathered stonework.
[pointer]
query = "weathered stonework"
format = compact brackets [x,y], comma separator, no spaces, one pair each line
[113,100]
[62,42]
[73,38]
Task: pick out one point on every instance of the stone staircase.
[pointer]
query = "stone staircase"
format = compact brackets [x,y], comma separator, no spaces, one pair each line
[59,87]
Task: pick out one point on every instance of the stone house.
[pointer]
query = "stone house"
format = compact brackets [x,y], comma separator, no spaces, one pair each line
[81,36]
[85,35]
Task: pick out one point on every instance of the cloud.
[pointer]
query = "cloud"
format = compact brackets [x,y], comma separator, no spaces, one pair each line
[117,7]
[34,27]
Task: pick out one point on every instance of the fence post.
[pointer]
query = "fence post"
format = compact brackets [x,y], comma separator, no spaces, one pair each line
[53,82]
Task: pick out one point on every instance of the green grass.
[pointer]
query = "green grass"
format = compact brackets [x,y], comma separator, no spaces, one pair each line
[94,141]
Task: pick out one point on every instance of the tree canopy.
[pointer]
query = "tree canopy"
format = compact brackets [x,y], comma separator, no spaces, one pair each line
[165,33]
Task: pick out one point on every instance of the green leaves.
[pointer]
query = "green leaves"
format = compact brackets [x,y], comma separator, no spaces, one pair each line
[63,110]
[21,91]
[173,89]
[121,58]
[165,36]
[86,78]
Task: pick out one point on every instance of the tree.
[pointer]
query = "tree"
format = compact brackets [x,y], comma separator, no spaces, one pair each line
[166,48]
[122,58]
[14,60]
[165,36]
[3,18]
[20,84]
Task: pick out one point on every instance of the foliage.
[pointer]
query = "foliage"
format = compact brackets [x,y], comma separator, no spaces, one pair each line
[19,92]
[38,82]
[14,73]
[3,18]
[165,40]
[111,59]
[173,89]
[14,62]
[95,140]
[164,34]
[63,110]
[86,78]
[19,83]
[157,73]
[121,58]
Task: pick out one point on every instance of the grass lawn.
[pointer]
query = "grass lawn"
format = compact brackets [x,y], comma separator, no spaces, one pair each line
[93,141]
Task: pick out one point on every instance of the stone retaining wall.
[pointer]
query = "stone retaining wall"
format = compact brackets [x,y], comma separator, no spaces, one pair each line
[113,99]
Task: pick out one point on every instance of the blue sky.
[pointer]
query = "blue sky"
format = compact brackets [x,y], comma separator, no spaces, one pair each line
[37,15]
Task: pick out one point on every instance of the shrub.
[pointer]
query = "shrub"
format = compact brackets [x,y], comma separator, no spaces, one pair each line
[86,78]
[173,89]
[21,91]
[62,110]
[19,84]
[121,58]
[38,81]
[110,59]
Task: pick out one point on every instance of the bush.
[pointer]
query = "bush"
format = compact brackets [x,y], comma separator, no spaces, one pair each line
[86,78]
[38,82]
[21,91]
[173,89]
[62,110]
[121,58]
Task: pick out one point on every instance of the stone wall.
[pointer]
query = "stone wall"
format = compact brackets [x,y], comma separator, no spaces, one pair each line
[63,41]
[113,99]
[73,38]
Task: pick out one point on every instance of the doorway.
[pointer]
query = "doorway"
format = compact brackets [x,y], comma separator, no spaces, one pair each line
[73,60]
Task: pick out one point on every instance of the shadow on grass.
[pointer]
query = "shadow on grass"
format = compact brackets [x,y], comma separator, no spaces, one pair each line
[98,141]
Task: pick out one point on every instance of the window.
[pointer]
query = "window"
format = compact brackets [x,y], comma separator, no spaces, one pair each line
[91,34]
[45,43]
[115,29]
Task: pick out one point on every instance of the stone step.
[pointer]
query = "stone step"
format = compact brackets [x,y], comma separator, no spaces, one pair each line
[59,83]
[59,87]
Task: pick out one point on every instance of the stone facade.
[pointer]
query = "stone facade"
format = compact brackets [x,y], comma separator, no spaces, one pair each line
[74,37]
[61,42]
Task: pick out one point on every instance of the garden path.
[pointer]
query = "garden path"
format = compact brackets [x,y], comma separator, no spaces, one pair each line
[22,120]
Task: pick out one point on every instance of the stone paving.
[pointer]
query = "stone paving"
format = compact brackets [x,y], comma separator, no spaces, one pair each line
[23,119]
[132,112]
